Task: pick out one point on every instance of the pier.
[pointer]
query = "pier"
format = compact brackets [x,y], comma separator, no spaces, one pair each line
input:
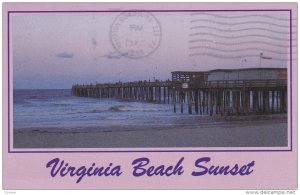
[220,92]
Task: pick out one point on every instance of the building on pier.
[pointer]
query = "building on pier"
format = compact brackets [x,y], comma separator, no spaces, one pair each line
[246,74]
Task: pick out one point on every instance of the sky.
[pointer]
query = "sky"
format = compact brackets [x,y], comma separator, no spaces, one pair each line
[55,51]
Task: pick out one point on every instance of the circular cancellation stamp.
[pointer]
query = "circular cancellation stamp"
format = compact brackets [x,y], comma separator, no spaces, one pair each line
[135,34]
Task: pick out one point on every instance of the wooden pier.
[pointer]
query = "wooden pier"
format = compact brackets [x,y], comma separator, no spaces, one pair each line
[230,92]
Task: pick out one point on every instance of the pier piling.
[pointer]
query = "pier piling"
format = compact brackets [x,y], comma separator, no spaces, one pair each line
[204,92]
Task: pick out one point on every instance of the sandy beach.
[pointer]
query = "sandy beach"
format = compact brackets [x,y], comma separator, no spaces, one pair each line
[237,131]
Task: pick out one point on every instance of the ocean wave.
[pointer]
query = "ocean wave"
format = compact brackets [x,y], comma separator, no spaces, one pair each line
[116,118]
[121,108]
[116,108]
[103,109]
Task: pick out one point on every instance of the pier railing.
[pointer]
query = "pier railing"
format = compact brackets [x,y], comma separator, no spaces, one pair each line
[233,84]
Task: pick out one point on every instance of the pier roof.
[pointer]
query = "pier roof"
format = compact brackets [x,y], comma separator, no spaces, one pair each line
[227,70]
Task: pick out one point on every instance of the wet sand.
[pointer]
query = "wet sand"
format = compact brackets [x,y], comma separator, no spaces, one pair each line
[238,131]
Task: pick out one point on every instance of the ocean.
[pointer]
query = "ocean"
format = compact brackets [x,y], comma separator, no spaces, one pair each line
[56,119]
[58,108]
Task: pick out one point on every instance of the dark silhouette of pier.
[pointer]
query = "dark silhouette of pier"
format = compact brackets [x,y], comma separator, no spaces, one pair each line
[222,91]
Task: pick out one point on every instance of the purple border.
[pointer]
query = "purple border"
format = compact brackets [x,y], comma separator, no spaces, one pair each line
[291,81]
[138,151]
[8,61]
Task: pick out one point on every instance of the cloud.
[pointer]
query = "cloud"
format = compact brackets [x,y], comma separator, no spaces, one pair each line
[112,55]
[94,42]
[64,55]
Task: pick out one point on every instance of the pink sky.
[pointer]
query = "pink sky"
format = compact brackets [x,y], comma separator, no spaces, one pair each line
[56,51]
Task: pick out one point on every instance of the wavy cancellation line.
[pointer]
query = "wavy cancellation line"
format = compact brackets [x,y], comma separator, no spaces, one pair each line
[240,36]
[241,30]
[240,49]
[243,16]
[235,56]
[242,43]
[242,23]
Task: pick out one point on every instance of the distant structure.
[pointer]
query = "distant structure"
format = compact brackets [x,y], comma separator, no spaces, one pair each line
[220,91]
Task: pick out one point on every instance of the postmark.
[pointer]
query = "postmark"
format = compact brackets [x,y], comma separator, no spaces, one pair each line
[136,34]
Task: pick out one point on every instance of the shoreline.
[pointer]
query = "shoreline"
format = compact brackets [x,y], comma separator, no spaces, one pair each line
[232,131]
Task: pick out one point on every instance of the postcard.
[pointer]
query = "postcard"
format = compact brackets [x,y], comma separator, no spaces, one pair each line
[150,96]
